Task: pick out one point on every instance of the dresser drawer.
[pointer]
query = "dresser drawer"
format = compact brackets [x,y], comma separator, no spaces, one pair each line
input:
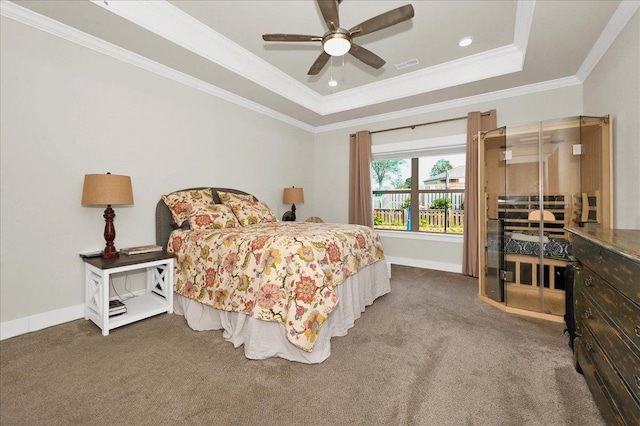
[616,393]
[621,311]
[621,272]
[609,338]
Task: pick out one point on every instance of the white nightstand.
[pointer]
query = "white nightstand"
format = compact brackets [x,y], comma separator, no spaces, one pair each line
[155,299]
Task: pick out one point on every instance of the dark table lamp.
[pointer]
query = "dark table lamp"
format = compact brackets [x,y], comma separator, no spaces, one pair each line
[107,190]
[292,195]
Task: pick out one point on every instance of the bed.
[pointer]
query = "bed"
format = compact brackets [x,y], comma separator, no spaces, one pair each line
[280,289]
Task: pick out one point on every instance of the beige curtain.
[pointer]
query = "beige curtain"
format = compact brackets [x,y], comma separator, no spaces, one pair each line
[360,207]
[476,122]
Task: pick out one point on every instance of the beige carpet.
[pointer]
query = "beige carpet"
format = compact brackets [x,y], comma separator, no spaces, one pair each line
[428,353]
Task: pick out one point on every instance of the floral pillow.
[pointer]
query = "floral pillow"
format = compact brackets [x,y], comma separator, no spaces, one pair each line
[216,216]
[247,210]
[184,204]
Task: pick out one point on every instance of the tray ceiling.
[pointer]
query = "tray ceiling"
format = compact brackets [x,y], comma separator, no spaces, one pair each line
[216,46]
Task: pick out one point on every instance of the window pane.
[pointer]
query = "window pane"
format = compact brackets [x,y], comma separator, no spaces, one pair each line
[391,174]
[390,208]
[440,193]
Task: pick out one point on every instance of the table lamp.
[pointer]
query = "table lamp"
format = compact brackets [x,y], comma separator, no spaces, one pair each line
[107,189]
[292,195]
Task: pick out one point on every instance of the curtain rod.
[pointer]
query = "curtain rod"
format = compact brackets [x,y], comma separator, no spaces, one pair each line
[413,126]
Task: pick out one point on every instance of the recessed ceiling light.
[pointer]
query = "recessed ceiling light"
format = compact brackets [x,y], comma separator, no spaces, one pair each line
[465,41]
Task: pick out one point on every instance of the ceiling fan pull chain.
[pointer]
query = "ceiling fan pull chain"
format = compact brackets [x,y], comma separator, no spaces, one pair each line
[332,81]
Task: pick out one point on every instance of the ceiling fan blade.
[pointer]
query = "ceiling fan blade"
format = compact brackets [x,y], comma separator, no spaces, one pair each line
[367,56]
[383,21]
[329,9]
[319,63]
[290,37]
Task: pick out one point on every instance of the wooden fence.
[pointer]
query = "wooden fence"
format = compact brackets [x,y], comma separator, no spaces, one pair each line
[396,201]
[435,218]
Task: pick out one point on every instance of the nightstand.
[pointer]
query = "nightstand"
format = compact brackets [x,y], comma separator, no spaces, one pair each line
[155,299]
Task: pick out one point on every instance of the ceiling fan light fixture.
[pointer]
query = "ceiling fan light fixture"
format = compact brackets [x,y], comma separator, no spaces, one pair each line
[337,41]
[336,44]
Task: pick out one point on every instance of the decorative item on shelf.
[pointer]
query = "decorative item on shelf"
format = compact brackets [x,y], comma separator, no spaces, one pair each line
[292,195]
[107,190]
[116,307]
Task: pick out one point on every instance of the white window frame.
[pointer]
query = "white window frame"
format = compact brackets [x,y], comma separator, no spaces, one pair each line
[452,144]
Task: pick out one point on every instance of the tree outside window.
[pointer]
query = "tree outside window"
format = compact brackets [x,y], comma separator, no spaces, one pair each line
[438,195]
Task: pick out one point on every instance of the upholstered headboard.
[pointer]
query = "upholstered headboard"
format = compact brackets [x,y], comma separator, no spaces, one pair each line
[164,220]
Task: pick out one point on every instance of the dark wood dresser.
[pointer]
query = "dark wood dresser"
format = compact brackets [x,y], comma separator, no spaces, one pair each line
[607,315]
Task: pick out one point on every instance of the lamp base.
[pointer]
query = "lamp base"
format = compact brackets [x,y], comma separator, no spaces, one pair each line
[110,254]
[288,217]
[109,251]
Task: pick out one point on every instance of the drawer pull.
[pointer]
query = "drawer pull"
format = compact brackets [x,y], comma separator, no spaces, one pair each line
[588,313]
[638,381]
[638,330]
[588,281]
[588,346]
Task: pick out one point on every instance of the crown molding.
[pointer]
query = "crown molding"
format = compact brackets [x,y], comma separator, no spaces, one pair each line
[455,103]
[500,61]
[509,53]
[493,63]
[58,29]
[614,27]
[171,23]
[524,20]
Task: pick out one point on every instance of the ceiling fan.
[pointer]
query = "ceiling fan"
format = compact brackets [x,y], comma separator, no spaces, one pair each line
[337,41]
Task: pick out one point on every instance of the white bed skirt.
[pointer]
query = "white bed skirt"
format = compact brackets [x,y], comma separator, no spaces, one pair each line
[265,339]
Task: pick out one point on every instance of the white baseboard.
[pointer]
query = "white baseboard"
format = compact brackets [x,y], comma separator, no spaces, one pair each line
[24,325]
[426,264]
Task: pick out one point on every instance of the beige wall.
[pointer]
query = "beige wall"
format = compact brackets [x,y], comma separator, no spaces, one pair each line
[67,111]
[614,87]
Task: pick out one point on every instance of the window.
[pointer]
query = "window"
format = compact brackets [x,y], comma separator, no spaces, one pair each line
[427,181]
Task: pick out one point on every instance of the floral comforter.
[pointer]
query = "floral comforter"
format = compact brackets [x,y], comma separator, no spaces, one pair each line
[284,271]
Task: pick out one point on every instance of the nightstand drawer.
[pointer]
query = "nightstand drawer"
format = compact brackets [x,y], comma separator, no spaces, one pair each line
[610,339]
[621,311]
[620,396]
[621,272]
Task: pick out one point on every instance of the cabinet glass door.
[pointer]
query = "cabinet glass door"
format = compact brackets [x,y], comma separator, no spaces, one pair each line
[594,152]
[522,196]
[492,184]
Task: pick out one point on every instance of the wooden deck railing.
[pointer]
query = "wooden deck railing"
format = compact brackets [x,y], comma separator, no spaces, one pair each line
[434,218]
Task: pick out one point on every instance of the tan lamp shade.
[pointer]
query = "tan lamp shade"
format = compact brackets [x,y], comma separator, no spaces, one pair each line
[107,189]
[293,196]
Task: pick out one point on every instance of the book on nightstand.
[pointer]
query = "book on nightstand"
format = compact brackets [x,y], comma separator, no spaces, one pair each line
[116,307]
[141,249]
